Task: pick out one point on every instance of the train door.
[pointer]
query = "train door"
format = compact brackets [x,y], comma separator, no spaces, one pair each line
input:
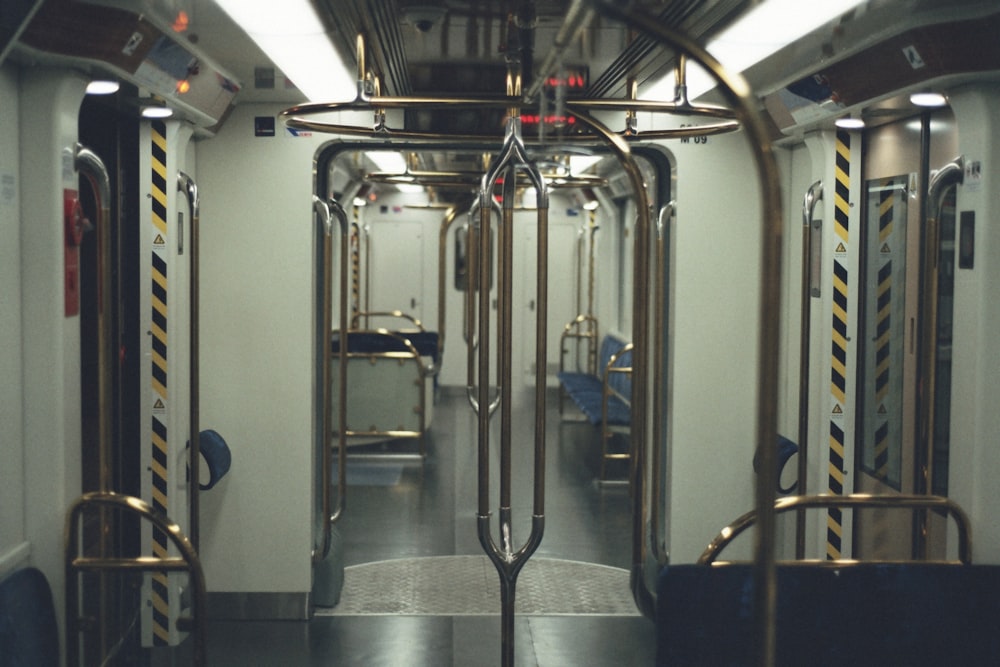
[563,274]
[396,256]
[893,453]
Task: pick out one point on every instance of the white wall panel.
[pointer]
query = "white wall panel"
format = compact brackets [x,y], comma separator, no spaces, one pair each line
[256,357]
[11,405]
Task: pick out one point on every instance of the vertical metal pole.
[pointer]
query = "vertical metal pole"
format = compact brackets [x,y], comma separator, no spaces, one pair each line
[813,195]
[187,185]
[937,187]
[90,165]
[345,240]
[323,358]
[507,558]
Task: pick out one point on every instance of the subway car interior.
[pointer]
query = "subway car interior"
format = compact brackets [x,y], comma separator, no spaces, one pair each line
[527,332]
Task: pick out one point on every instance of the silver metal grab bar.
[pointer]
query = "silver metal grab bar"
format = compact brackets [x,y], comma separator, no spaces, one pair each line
[945,177]
[187,185]
[812,196]
[480,265]
[90,165]
[506,557]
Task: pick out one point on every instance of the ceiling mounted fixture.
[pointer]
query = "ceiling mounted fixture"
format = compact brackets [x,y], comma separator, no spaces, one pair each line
[295,39]
[928,99]
[849,123]
[102,87]
[157,112]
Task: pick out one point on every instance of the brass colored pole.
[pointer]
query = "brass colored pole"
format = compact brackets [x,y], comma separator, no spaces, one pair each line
[90,165]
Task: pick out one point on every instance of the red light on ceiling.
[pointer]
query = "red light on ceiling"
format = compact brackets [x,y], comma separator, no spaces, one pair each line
[183,86]
[549,119]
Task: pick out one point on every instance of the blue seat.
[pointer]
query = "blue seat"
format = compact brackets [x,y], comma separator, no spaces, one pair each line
[29,636]
[587,391]
[604,398]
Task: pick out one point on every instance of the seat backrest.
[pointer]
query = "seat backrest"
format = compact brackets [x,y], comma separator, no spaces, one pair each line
[619,382]
[29,636]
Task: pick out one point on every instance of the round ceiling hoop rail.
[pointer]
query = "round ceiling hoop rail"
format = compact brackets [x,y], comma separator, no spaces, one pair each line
[369,99]
[469,179]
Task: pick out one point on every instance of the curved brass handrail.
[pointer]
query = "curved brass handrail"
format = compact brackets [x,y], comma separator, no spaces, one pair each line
[738,93]
[74,563]
[855,500]
[950,174]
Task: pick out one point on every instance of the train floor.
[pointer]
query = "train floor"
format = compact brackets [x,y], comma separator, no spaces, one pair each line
[418,589]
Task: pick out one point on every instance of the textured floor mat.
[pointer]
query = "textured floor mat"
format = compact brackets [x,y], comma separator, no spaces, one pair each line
[469,586]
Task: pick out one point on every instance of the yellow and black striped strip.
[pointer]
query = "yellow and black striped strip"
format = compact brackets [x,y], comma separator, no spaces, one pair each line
[838,364]
[842,200]
[158,330]
[883,334]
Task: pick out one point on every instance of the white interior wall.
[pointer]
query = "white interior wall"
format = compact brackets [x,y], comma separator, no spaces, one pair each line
[975,420]
[13,547]
[256,353]
[49,108]
[714,301]
[797,176]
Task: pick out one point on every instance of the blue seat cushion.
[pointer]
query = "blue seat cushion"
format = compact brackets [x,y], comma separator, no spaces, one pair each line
[864,615]
[425,342]
[28,633]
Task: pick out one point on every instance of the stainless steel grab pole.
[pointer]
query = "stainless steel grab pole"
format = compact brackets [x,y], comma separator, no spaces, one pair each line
[345,239]
[90,165]
[506,557]
[812,196]
[187,185]
[937,187]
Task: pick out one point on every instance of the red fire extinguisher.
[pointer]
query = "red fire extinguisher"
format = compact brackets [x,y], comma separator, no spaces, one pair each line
[75,224]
